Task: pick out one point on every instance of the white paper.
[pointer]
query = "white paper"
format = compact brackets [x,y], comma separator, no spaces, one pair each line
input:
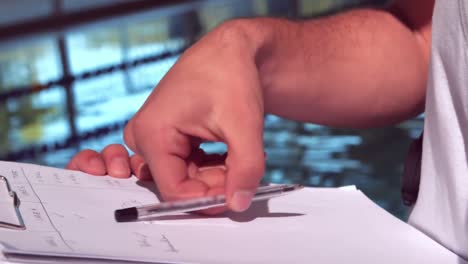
[71,214]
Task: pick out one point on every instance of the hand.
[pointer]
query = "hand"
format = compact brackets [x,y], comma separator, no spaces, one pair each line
[113,160]
[211,94]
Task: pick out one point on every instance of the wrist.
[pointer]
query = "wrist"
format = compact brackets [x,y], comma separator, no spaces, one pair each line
[253,41]
[250,36]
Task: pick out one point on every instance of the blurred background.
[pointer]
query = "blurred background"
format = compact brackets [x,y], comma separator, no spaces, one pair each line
[73,72]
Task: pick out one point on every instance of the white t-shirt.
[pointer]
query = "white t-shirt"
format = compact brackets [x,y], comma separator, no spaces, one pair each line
[441,210]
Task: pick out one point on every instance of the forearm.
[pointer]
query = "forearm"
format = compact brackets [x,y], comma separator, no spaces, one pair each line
[361,68]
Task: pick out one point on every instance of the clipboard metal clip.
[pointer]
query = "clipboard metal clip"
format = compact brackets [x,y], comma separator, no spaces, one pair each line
[16,203]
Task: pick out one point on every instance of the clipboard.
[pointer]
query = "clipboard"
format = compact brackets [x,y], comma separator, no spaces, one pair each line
[15,202]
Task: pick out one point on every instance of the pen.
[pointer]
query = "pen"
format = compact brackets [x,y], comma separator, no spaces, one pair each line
[166,208]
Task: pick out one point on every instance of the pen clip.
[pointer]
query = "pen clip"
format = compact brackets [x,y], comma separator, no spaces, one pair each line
[16,204]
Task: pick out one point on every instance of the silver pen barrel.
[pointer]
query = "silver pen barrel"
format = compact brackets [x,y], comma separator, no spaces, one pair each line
[190,205]
[263,193]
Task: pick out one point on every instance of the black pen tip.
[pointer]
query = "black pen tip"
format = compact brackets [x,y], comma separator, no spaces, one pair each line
[126,215]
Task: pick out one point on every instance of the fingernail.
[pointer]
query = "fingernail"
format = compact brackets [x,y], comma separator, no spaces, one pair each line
[120,167]
[241,201]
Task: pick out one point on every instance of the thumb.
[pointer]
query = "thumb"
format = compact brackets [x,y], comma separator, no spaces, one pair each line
[245,166]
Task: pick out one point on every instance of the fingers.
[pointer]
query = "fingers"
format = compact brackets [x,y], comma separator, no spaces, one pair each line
[88,161]
[167,155]
[188,172]
[207,168]
[117,161]
[213,177]
[245,164]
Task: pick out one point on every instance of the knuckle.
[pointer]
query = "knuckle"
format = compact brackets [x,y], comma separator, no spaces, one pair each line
[127,136]
[230,31]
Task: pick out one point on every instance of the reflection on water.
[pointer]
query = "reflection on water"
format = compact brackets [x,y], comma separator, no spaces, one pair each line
[320,156]
[309,154]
